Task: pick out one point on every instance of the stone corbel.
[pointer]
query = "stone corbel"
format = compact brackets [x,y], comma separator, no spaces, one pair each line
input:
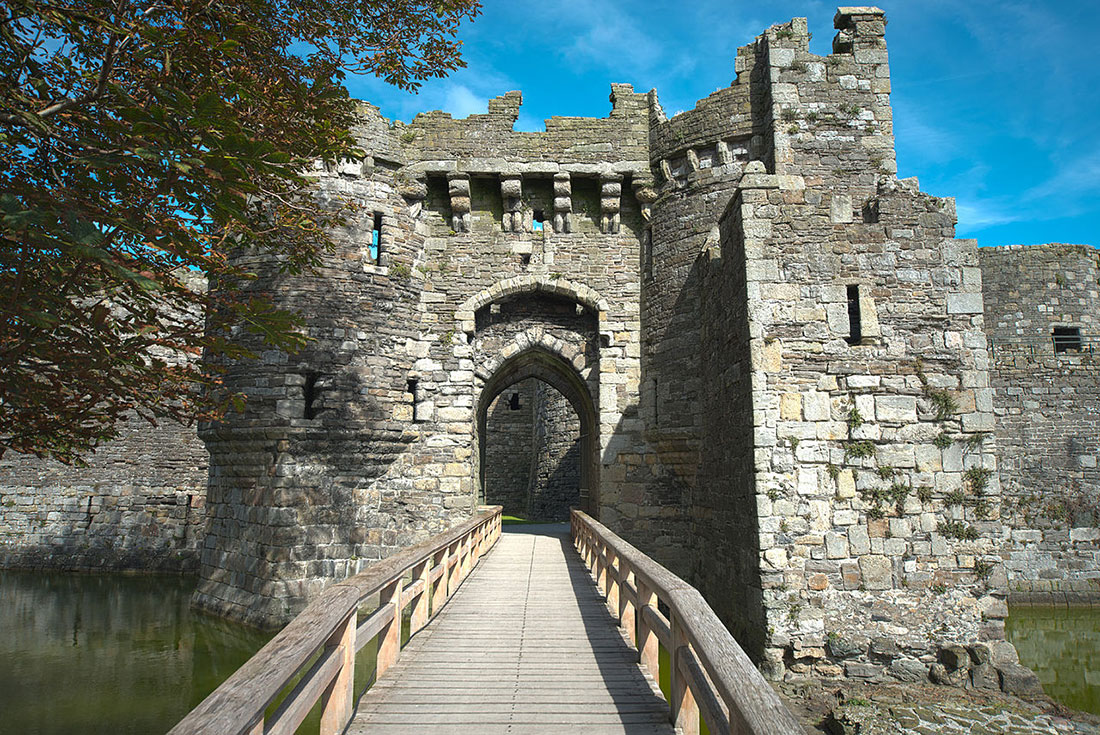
[646,195]
[413,190]
[458,186]
[563,203]
[511,193]
[611,192]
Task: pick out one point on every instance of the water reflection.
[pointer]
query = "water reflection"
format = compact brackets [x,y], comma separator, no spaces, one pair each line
[1062,646]
[108,653]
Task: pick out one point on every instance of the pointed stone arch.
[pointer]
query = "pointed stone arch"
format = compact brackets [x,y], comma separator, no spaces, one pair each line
[545,358]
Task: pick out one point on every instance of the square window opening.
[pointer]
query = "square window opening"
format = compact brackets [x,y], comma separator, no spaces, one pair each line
[1066,339]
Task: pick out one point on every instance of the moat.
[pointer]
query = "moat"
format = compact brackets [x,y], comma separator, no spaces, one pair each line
[1062,645]
[99,653]
[125,654]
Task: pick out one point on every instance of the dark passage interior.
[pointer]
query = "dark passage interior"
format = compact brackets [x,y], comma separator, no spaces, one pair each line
[532,452]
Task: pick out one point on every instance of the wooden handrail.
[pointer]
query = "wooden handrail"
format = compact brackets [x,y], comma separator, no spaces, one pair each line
[711,676]
[323,638]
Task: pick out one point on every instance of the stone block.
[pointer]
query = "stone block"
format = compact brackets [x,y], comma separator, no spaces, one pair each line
[877,572]
[861,670]
[980,653]
[896,409]
[816,406]
[954,657]
[908,670]
[859,541]
[985,676]
[964,303]
[790,407]
[836,545]
[1019,680]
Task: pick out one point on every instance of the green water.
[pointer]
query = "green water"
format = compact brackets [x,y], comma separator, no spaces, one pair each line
[111,654]
[1062,646]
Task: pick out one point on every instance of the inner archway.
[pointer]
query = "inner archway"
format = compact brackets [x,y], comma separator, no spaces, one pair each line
[532,460]
[537,444]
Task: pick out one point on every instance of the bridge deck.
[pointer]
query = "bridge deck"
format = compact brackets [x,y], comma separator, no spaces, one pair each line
[526,646]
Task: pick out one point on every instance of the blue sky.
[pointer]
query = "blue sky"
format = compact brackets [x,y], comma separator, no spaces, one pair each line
[995,103]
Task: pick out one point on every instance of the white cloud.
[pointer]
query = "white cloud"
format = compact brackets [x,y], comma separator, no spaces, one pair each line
[978,214]
[460,101]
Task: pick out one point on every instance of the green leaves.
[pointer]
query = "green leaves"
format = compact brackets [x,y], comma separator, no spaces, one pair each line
[142,143]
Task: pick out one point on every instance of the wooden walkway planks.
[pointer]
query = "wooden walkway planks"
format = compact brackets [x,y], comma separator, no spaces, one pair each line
[526,646]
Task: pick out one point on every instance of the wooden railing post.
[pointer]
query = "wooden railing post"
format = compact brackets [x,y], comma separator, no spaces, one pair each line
[389,638]
[684,710]
[601,580]
[439,594]
[465,556]
[626,607]
[454,573]
[648,645]
[338,699]
[422,572]
[612,582]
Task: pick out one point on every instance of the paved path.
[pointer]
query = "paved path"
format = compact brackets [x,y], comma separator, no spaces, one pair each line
[525,646]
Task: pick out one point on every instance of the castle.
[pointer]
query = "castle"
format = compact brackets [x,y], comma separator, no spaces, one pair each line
[734,336]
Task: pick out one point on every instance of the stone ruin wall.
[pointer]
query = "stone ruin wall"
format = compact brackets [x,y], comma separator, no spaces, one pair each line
[139,504]
[386,453]
[1048,417]
[510,437]
[555,482]
[532,453]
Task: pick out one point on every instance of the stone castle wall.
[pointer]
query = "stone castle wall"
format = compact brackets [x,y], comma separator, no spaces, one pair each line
[509,439]
[555,474]
[1048,416]
[138,504]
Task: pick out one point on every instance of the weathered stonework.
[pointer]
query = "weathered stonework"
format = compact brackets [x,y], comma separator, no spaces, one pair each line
[759,355]
[138,504]
[1048,416]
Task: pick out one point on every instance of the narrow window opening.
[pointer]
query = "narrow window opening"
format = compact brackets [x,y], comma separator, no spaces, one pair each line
[376,239]
[525,259]
[537,219]
[647,253]
[855,325]
[513,402]
[1066,339]
[311,396]
[412,386]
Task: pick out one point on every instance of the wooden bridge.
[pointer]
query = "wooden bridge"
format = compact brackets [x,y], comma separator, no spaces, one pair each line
[541,629]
